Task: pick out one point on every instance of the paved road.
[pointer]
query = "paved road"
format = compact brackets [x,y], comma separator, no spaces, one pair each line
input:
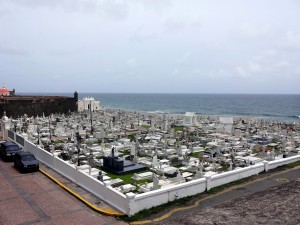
[32,198]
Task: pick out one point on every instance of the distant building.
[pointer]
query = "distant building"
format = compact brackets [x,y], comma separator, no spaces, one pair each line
[226,124]
[88,104]
[5,92]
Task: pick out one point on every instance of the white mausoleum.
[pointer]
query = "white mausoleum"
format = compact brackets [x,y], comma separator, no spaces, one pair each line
[226,124]
[88,104]
[189,119]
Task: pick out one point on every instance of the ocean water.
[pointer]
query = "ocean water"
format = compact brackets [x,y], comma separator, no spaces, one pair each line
[273,107]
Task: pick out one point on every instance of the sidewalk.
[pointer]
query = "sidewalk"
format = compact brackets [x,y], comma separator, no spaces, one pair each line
[84,196]
[33,198]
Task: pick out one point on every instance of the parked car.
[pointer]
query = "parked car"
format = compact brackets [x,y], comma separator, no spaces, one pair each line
[26,161]
[8,149]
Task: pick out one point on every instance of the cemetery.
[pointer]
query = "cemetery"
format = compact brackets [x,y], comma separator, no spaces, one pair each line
[136,160]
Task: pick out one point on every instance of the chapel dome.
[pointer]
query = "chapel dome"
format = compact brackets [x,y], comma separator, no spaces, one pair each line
[4,91]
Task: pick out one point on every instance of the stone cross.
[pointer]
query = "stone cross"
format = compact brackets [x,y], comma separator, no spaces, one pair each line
[230,165]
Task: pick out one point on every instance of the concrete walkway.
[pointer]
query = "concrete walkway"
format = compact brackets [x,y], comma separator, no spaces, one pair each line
[32,198]
[81,194]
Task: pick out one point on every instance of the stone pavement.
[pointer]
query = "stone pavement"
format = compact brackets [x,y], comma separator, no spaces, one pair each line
[32,198]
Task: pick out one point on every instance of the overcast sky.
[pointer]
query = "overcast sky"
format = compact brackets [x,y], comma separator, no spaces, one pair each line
[150,46]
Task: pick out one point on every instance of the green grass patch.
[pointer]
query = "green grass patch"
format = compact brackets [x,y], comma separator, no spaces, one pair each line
[126,177]
[197,154]
[294,164]
[179,128]
[223,168]
[131,137]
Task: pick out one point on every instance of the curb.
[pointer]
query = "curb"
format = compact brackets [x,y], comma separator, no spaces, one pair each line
[109,212]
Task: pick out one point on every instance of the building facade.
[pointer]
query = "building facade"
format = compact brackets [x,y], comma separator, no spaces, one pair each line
[88,104]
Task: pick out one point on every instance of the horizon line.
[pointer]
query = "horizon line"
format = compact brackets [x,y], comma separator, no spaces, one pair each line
[159,93]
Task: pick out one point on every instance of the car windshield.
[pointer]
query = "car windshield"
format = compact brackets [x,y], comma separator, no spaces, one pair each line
[28,157]
[13,148]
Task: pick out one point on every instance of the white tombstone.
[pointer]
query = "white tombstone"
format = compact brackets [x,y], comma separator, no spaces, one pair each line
[155,182]
[155,163]
[230,165]
[179,150]
[199,172]
[132,150]
[5,126]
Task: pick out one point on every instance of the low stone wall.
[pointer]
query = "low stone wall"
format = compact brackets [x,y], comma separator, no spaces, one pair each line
[131,204]
[284,161]
[158,197]
[230,176]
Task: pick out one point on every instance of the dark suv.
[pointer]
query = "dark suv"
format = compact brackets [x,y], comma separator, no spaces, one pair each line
[8,149]
[26,161]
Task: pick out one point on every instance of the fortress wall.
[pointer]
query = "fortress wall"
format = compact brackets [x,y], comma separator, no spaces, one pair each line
[36,105]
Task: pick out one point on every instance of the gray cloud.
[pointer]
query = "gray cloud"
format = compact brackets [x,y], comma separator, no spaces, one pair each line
[177,25]
[216,45]
[250,30]
[141,34]
[290,41]
[12,50]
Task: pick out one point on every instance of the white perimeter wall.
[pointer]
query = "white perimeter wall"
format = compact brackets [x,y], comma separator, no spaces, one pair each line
[161,196]
[284,161]
[132,204]
[224,178]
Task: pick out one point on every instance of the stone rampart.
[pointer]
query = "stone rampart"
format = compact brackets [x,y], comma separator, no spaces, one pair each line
[16,106]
